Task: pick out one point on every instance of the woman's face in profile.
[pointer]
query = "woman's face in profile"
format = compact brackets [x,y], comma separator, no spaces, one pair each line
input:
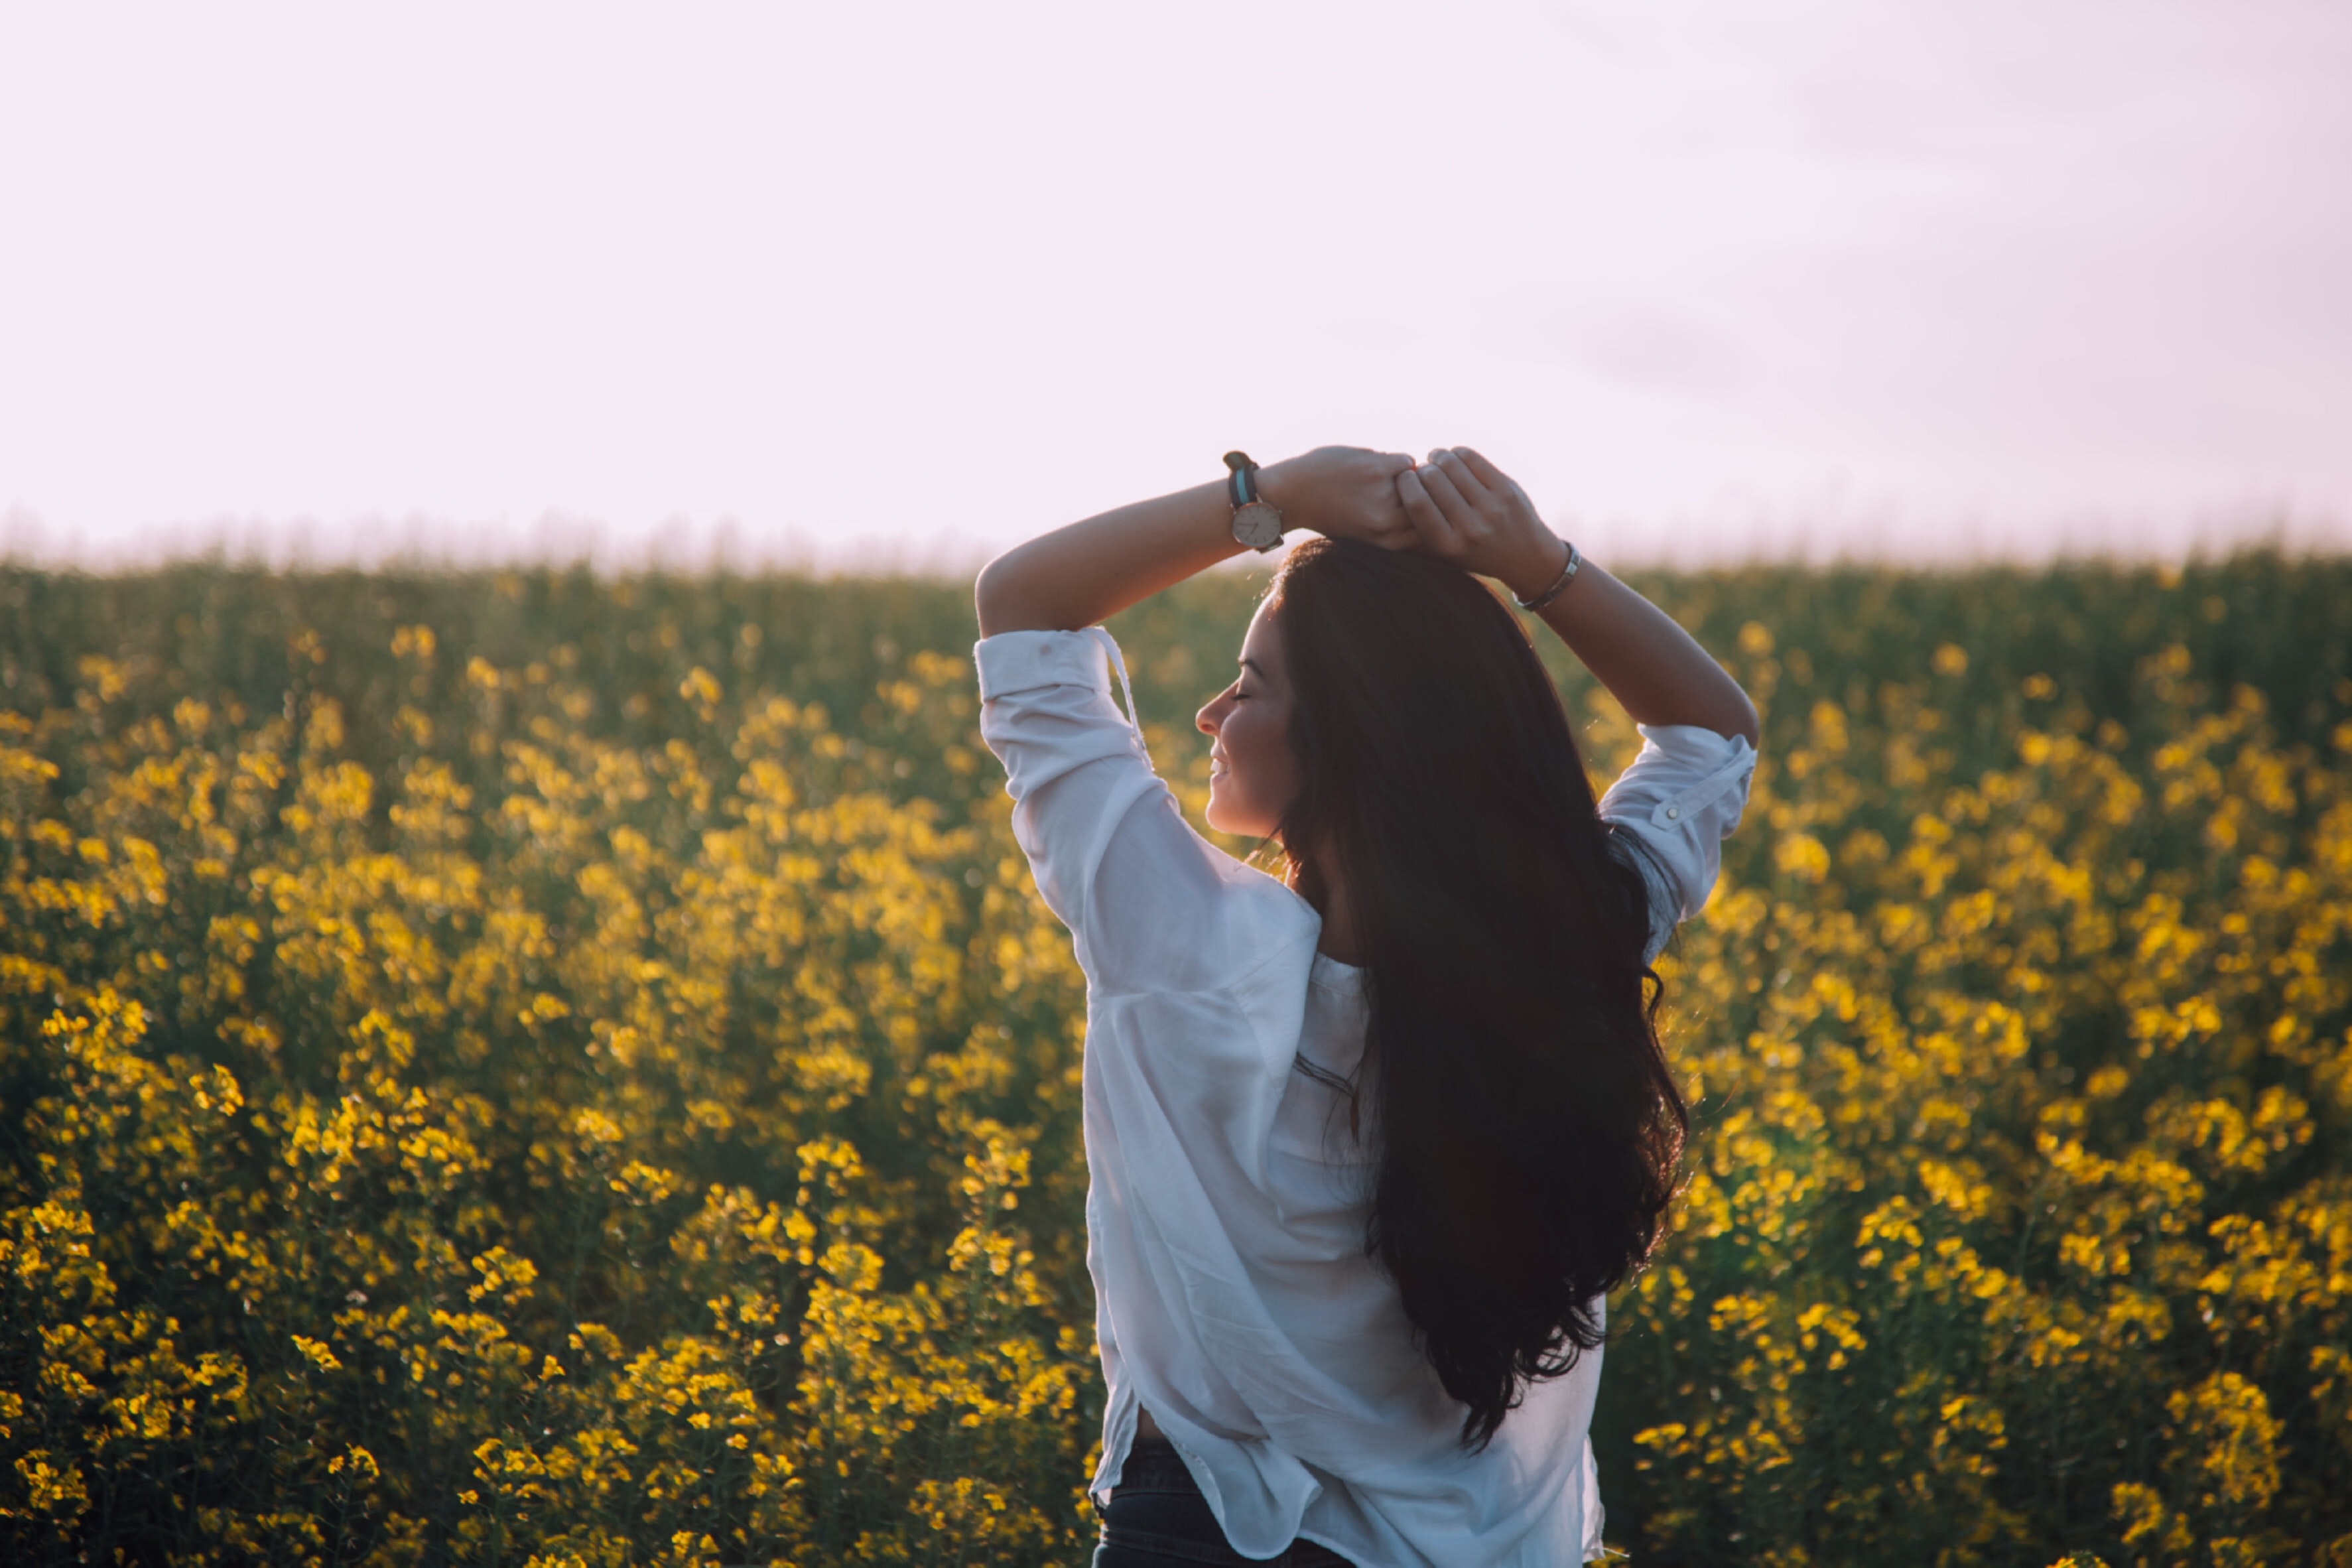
[1253,774]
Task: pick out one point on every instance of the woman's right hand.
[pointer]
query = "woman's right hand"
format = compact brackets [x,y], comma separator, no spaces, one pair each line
[1344,492]
[1473,514]
[1468,511]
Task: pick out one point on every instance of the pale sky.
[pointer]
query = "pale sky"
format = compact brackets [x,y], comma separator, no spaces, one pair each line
[907,282]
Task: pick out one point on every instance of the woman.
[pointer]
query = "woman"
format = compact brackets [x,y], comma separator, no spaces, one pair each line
[1365,1145]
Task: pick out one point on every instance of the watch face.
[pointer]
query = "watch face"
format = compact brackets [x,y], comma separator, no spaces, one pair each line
[1258,525]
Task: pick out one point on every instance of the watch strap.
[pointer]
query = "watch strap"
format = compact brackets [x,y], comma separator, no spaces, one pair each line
[1241,479]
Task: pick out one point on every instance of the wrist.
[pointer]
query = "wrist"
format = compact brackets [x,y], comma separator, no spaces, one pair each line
[1257,523]
[1538,567]
[1276,487]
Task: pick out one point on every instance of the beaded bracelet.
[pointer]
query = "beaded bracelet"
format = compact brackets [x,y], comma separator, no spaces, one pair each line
[1567,574]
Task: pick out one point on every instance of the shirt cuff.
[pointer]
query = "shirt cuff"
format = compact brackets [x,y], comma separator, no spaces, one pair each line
[1023,661]
[1728,759]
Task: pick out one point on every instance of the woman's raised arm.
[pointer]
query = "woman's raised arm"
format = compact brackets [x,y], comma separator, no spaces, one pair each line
[1089,571]
[1470,512]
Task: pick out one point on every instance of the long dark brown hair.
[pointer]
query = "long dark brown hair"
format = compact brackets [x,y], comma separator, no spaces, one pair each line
[1527,1127]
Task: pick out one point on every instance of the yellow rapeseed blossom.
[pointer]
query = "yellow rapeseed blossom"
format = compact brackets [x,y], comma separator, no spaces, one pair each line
[610,1096]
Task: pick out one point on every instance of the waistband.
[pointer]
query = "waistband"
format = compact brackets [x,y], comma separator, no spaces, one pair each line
[1153,1465]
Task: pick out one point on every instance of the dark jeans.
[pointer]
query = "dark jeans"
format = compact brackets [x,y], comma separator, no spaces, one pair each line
[1157,1519]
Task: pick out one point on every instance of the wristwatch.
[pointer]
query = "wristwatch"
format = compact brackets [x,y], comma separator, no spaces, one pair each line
[1257,524]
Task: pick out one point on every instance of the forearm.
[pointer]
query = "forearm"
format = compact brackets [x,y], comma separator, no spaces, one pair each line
[1657,672]
[1086,571]
[1470,512]
[1079,575]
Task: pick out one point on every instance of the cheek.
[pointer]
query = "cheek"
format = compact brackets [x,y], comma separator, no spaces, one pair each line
[1260,750]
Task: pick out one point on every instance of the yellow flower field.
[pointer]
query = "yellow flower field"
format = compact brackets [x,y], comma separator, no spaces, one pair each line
[516,1068]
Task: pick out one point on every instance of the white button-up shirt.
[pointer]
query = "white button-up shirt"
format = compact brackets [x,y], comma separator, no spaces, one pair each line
[1228,1194]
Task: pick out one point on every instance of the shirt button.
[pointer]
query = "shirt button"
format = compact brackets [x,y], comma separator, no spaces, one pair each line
[1673,812]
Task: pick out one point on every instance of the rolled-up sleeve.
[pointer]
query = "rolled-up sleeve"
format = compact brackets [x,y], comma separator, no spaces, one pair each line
[1681,798]
[1151,904]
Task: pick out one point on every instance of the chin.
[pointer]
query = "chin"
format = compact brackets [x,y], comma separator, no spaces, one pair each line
[1225,822]
[1221,818]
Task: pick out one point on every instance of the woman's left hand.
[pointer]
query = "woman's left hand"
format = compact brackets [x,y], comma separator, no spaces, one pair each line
[1470,512]
[1344,492]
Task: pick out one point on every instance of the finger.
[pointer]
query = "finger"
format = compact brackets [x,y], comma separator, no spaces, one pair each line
[1393,463]
[1493,478]
[1459,513]
[1428,521]
[1450,463]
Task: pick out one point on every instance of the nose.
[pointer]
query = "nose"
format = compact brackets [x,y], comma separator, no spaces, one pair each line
[1207,719]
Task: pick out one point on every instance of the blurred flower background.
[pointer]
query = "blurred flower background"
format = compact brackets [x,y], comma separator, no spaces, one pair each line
[522,1066]
[524,1035]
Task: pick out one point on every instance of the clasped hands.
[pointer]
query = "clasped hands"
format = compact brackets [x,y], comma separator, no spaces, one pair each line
[1457,505]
